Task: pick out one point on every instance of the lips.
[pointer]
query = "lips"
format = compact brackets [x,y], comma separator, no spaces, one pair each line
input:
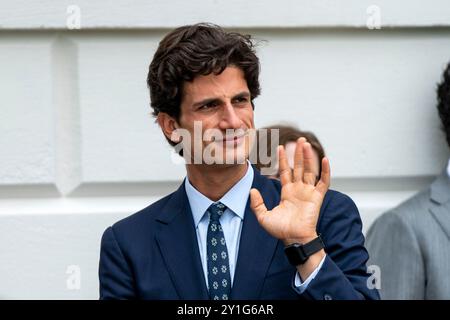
[231,139]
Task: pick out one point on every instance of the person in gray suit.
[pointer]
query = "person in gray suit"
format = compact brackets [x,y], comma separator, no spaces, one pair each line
[411,243]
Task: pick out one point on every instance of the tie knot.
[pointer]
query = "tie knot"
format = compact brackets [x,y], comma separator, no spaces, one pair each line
[216,210]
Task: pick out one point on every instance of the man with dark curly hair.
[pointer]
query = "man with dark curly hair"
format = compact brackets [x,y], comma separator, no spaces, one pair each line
[228,232]
[411,243]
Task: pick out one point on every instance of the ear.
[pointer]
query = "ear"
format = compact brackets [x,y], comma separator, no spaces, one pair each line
[168,125]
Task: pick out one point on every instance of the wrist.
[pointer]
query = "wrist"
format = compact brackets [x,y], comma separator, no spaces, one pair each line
[312,264]
[301,240]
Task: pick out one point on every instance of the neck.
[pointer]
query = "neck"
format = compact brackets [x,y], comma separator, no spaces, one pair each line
[213,181]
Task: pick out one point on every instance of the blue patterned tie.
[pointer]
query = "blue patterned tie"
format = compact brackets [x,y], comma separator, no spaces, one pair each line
[219,280]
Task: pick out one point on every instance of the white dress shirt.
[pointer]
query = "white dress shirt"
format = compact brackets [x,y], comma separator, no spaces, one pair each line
[448,168]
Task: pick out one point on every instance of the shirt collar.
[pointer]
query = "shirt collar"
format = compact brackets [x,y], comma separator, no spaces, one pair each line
[235,199]
[448,168]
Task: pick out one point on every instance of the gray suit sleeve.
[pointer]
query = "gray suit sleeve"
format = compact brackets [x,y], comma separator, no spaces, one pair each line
[393,246]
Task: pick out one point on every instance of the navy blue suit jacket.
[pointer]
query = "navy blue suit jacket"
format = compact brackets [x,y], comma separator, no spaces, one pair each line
[154,254]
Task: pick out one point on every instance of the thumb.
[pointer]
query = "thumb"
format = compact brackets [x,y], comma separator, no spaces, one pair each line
[257,204]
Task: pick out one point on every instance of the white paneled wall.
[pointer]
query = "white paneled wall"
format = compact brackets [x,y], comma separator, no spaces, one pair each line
[80,150]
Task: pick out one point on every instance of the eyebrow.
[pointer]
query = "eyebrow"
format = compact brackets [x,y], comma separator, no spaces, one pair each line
[243,94]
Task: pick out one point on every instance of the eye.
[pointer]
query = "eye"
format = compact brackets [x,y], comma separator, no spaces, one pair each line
[241,100]
[208,105]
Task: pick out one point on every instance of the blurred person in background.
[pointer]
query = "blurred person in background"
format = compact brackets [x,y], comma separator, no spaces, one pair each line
[288,136]
[411,243]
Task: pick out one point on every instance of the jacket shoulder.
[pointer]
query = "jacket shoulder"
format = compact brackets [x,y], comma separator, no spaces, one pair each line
[335,199]
[410,211]
[141,221]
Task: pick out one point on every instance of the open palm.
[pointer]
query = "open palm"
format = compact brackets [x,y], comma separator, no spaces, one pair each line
[295,218]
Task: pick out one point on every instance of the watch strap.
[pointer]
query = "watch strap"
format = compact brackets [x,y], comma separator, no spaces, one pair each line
[298,254]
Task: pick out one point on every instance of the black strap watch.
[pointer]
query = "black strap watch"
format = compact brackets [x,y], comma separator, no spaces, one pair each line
[298,254]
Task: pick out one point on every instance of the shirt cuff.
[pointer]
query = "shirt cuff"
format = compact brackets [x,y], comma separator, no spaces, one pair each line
[300,287]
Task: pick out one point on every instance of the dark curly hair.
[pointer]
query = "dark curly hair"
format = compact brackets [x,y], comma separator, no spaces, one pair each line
[194,50]
[443,97]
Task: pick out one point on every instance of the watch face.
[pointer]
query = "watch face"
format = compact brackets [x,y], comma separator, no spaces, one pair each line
[295,254]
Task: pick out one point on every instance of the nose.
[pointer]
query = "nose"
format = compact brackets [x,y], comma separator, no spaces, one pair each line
[230,119]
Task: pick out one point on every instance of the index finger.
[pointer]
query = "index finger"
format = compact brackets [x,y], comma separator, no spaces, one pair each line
[284,169]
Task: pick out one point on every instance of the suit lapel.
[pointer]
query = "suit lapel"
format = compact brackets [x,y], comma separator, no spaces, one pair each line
[177,241]
[440,196]
[442,215]
[256,247]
